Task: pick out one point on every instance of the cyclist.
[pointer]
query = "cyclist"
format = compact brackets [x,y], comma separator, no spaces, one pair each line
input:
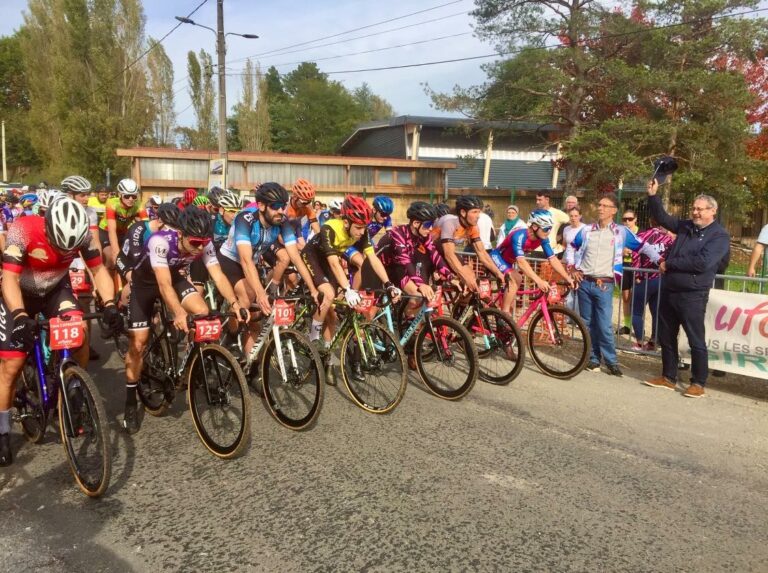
[383,207]
[121,212]
[453,232]
[79,189]
[159,274]
[299,206]
[226,204]
[332,212]
[152,205]
[36,264]
[202,202]
[254,232]
[322,256]
[99,201]
[516,245]
[26,202]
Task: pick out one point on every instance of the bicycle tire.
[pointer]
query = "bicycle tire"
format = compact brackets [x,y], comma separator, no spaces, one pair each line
[198,396]
[154,390]
[34,418]
[305,383]
[372,397]
[424,356]
[508,344]
[88,410]
[560,316]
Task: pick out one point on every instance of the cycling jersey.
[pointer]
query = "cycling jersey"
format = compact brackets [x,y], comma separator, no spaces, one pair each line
[374,226]
[448,229]
[518,244]
[162,250]
[333,239]
[133,247]
[247,230]
[295,214]
[406,255]
[40,266]
[220,229]
[123,216]
[98,206]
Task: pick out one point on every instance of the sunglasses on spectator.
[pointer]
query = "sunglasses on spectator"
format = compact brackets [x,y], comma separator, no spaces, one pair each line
[627,218]
[199,241]
[279,206]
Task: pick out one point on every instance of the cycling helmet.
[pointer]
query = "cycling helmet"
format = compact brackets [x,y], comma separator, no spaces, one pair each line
[303,190]
[188,196]
[28,198]
[46,197]
[156,199]
[541,218]
[227,199]
[356,210]
[127,187]
[271,192]
[169,214]
[335,204]
[75,184]
[421,211]
[195,222]
[66,224]
[201,201]
[42,185]
[443,209]
[383,204]
[11,198]
[468,202]
[213,195]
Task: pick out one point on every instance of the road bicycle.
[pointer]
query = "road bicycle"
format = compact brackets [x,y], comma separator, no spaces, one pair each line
[443,351]
[51,380]
[216,389]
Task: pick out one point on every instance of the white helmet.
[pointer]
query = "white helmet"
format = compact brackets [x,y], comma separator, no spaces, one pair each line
[127,186]
[156,199]
[66,224]
[46,197]
[228,199]
[335,204]
[75,184]
[542,218]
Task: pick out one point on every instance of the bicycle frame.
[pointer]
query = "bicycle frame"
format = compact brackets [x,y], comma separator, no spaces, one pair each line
[539,303]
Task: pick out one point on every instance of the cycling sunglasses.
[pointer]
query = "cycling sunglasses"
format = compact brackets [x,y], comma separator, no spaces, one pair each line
[199,241]
[278,206]
[427,224]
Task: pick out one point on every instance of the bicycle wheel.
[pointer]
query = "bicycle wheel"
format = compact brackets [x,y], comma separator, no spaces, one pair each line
[86,438]
[219,401]
[294,400]
[499,345]
[560,348]
[446,358]
[33,417]
[380,383]
[155,387]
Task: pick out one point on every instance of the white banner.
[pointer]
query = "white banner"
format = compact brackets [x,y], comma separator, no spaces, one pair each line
[737,333]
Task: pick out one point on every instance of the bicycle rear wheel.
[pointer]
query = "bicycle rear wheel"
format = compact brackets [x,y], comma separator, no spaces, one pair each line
[294,400]
[383,377]
[155,388]
[84,432]
[446,358]
[499,345]
[219,401]
[559,348]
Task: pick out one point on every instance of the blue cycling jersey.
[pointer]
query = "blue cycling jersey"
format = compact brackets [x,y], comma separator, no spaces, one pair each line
[248,230]
[374,226]
[515,245]
[220,230]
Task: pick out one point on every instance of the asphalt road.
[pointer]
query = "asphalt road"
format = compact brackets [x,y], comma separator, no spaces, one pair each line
[591,474]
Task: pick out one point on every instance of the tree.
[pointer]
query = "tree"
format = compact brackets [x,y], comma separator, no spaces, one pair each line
[203,95]
[372,106]
[161,90]
[87,86]
[252,112]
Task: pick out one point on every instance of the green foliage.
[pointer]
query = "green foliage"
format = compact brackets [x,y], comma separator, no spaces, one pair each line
[160,71]
[203,96]
[251,114]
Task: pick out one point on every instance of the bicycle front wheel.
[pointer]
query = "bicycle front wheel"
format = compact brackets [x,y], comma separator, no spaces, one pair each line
[446,358]
[373,368]
[499,345]
[295,399]
[560,346]
[84,432]
[219,401]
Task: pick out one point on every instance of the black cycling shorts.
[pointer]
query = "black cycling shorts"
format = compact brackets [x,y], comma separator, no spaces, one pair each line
[143,298]
[627,279]
[232,270]
[198,272]
[318,267]
[104,239]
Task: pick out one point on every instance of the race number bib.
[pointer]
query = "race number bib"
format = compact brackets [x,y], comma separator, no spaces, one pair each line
[553,297]
[366,304]
[485,288]
[207,330]
[285,313]
[437,302]
[78,281]
[66,334]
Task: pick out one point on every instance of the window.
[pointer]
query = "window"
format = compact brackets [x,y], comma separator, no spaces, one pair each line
[403,178]
[386,178]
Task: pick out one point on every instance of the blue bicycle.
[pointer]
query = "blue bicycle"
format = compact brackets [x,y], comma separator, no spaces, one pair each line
[51,380]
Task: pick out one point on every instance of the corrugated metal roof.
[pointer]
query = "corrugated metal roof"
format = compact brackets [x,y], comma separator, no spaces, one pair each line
[503,173]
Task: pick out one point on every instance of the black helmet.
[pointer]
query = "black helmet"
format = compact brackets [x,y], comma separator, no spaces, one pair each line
[195,222]
[663,167]
[169,214]
[468,202]
[443,209]
[421,211]
[271,193]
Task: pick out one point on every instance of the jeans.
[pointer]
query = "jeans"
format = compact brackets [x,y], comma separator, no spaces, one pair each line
[684,309]
[596,308]
[646,292]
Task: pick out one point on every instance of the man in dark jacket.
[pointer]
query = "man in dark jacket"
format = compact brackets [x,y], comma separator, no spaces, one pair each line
[689,271]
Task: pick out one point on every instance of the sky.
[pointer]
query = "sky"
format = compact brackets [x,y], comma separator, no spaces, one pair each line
[284,23]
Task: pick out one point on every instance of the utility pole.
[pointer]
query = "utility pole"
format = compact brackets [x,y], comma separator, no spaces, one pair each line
[5,169]
[221,52]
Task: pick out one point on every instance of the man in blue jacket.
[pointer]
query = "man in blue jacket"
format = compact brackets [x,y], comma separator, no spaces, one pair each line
[689,271]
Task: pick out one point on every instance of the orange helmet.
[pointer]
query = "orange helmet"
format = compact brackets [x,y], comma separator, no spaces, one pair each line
[356,210]
[303,190]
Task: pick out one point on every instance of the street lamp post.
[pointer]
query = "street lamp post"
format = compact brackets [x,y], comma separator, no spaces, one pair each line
[221,52]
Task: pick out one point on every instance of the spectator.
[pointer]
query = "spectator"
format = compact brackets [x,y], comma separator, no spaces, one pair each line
[598,262]
[559,218]
[512,222]
[485,226]
[689,270]
[629,220]
[758,251]
[569,234]
[646,285]
[570,202]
